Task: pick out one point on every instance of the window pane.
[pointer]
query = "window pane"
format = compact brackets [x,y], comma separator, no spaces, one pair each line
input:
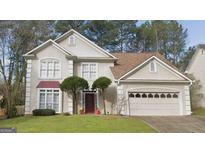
[56,65]
[50,73]
[50,65]
[49,101]
[42,101]
[71,40]
[85,75]
[152,67]
[93,67]
[92,75]
[57,73]
[56,102]
[43,65]
[43,73]
[85,67]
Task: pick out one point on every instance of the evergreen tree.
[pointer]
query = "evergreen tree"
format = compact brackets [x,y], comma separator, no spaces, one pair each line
[62,26]
[102,32]
[125,30]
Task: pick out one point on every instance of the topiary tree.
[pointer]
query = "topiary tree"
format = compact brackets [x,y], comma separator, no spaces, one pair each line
[102,83]
[72,85]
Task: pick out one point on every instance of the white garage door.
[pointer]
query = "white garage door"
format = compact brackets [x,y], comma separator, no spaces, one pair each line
[154,103]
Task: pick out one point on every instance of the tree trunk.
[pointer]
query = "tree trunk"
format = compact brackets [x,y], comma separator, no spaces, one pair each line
[104,106]
[75,105]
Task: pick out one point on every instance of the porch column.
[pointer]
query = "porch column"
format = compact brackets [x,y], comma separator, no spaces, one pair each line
[70,67]
[28,87]
[70,73]
[187,100]
[121,100]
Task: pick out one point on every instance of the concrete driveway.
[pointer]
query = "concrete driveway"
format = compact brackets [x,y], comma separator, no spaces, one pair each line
[176,124]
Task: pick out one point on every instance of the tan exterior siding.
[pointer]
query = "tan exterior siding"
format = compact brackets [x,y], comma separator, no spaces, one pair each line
[81,49]
[103,70]
[162,73]
[49,52]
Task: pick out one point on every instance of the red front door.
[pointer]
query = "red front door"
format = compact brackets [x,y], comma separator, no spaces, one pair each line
[89,103]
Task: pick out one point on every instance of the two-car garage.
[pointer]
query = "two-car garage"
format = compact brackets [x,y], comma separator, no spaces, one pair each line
[154,103]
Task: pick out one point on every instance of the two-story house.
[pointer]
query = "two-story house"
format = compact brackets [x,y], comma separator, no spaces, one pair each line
[142,83]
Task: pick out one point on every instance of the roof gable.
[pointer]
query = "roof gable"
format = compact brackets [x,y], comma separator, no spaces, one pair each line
[46,44]
[130,62]
[162,72]
[85,42]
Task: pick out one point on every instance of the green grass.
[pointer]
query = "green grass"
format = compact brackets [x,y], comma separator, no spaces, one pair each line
[77,124]
[200,111]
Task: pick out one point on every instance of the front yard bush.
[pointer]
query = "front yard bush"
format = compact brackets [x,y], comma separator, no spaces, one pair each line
[66,114]
[43,112]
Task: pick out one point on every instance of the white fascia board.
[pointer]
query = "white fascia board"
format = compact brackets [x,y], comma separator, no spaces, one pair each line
[175,71]
[83,38]
[62,49]
[135,68]
[45,43]
[37,47]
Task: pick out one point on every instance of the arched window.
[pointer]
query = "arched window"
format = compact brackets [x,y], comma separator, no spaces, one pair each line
[137,95]
[169,96]
[50,68]
[162,96]
[131,95]
[175,96]
[156,96]
[71,40]
[144,95]
[152,67]
[150,96]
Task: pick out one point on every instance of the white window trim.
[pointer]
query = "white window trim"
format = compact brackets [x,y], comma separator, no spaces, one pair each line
[81,69]
[155,67]
[74,40]
[60,98]
[49,78]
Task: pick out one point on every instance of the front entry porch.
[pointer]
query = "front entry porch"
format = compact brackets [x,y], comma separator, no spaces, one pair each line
[89,101]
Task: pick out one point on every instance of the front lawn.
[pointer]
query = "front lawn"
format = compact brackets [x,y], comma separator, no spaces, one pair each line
[77,124]
[200,111]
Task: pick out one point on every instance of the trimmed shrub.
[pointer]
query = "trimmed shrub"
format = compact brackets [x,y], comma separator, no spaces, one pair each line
[66,114]
[43,112]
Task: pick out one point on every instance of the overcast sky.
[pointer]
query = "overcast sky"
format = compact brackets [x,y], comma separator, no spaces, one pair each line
[196,31]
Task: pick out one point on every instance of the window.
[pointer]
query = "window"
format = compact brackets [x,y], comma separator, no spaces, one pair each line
[156,96]
[169,95]
[89,71]
[144,95]
[131,95]
[49,99]
[175,96]
[71,40]
[152,67]
[150,96]
[137,95]
[162,96]
[50,68]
